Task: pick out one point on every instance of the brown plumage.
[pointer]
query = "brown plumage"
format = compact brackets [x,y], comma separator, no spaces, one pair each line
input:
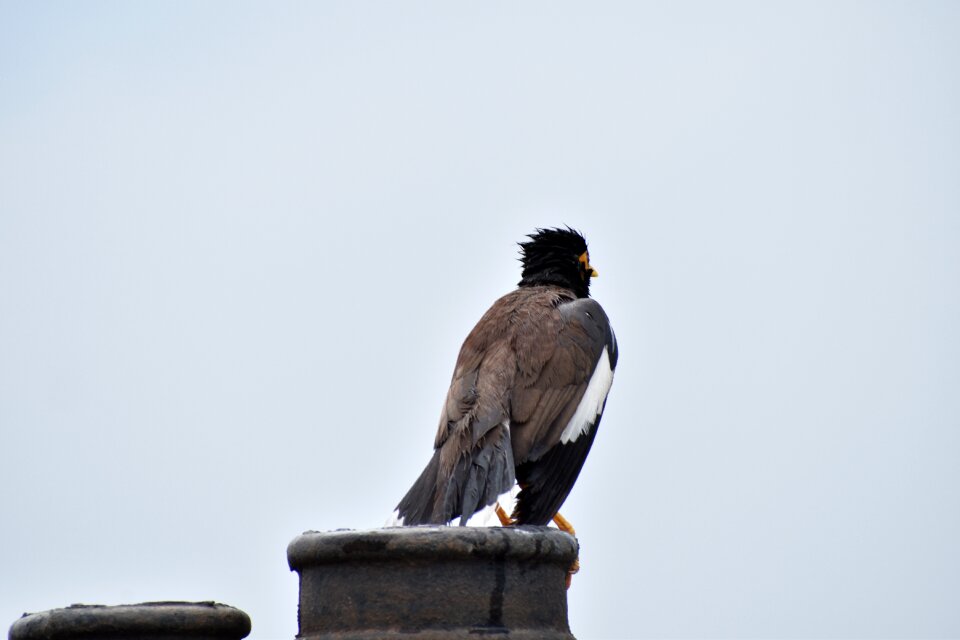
[511,413]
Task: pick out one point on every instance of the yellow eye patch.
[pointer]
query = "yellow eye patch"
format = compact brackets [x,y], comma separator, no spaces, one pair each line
[585,261]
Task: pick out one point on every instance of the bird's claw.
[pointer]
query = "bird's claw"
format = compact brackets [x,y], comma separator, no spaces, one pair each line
[564,525]
[574,568]
[505,520]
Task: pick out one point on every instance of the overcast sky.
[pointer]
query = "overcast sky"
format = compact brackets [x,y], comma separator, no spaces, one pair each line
[241,243]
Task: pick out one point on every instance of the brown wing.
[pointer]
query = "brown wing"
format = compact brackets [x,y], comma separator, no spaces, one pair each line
[556,410]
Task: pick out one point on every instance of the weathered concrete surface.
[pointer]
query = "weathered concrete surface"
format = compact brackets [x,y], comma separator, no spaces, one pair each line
[147,621]
[433,582]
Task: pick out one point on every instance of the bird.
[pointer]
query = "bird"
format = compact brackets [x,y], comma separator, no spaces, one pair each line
[526,397]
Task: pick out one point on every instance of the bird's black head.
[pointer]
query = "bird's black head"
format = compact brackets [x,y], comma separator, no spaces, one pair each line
[558,257]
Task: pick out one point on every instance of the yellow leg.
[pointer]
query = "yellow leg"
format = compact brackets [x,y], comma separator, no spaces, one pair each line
[505,520]
[564,525]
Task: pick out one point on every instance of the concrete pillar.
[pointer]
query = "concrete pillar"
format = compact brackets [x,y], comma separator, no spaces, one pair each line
[422,583]
[147,621]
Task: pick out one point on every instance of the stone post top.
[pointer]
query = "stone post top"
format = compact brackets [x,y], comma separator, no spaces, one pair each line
[432,582]
[145,620]
[543,544]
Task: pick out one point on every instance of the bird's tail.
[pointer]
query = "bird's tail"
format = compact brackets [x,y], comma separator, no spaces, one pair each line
[475,482]
[417,506]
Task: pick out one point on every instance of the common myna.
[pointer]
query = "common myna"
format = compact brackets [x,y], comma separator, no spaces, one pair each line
[528,390]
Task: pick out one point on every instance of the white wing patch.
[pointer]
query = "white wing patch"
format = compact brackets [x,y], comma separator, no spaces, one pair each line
[591,404]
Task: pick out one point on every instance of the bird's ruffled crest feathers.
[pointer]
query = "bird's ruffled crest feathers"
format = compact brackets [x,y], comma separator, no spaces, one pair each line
[550,257]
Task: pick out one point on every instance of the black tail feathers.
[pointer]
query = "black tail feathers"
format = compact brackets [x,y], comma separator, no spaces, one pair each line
[417,506]
[475,482]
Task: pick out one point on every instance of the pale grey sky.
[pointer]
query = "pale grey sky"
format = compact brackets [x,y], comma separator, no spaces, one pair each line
[240,244]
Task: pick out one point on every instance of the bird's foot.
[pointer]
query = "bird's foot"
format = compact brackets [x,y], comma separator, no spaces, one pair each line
[505,520]
[564,525]
[574,568]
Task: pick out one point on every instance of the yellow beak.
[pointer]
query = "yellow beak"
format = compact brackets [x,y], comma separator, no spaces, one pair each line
[585,259]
